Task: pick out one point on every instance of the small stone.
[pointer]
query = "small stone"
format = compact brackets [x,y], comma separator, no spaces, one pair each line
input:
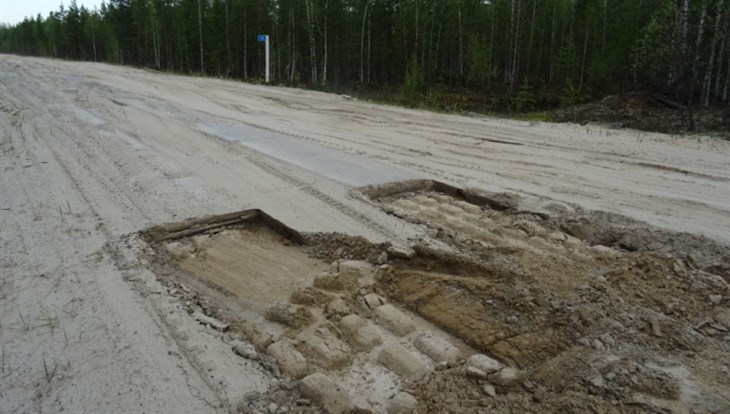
[475,373]
[513,319]
[252,395]
[244,349]
[442,366]
[596,381]
[272,408]
[373,300]
[610,376]
[338,307]
[489,390]
[723,318]
[210,321]
[715,299]
[382,258]
[597,344]
[656,329]
[507,376]
[483,363]
[538,395]
[362,408]
[585,342]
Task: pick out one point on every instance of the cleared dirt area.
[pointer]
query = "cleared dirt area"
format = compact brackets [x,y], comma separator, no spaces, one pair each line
[330,254]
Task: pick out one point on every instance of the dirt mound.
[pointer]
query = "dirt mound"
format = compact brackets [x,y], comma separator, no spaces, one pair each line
[644,111]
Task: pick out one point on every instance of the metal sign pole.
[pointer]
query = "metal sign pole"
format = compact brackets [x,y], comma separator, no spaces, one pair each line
[267,45]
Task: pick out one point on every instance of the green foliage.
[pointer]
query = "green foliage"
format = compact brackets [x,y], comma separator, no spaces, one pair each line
[566,63]
[525,98]
[413,83]
[653,52]
[595,45]
[480,70]
[569,98]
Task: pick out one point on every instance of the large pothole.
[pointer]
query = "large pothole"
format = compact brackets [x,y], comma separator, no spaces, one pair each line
[567,321]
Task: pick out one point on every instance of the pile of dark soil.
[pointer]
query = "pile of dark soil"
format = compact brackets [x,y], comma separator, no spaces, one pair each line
[646,112]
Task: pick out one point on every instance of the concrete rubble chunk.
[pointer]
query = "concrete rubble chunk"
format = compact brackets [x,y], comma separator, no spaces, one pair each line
[326,393]
[475,373]
[484,363]
[437,348]
[394,320]
[359,333]
[399,360]
[506,377]
[373,300]
[326,350]
[244,349]
[290,361]
[723,318]
[338,307]
[489,390]
[403,403]
[210,321]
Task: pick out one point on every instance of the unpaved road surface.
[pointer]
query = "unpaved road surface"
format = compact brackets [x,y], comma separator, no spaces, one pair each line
[94,316]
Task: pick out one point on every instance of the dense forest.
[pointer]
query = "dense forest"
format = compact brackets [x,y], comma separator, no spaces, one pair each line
[523,53]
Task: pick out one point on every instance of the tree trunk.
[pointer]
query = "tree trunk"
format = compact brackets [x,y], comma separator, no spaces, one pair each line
[491,39]
[369,59]
[720,61]
[515,57]
[552,44]
[324,58]
[93,35]
[362,44]
[228,41]
[706,85]
[461,45]
[200,33]
[532,35]
[245,44]
[583,63]
[727,81]
[693,78]
[312,44]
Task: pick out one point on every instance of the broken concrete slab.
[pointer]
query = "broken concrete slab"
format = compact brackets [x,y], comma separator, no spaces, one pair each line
[392,319]
[437,348]
[484,363]
[401,361]
[359,333]
[326,350]
[326,393]
[289,360]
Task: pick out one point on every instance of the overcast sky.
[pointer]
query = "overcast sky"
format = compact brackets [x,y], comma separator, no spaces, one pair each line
[14,11]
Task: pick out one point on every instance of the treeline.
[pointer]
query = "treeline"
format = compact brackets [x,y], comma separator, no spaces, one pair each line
[526,50]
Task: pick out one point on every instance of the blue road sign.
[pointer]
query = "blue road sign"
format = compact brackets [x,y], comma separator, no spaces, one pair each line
[262,38]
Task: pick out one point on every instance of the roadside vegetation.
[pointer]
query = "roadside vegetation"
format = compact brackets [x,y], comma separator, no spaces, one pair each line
[498,56]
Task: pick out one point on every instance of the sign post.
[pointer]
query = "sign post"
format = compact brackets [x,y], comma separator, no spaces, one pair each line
[265,39]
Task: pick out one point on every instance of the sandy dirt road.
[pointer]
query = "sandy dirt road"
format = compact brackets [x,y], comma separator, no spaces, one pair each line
[91,152]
